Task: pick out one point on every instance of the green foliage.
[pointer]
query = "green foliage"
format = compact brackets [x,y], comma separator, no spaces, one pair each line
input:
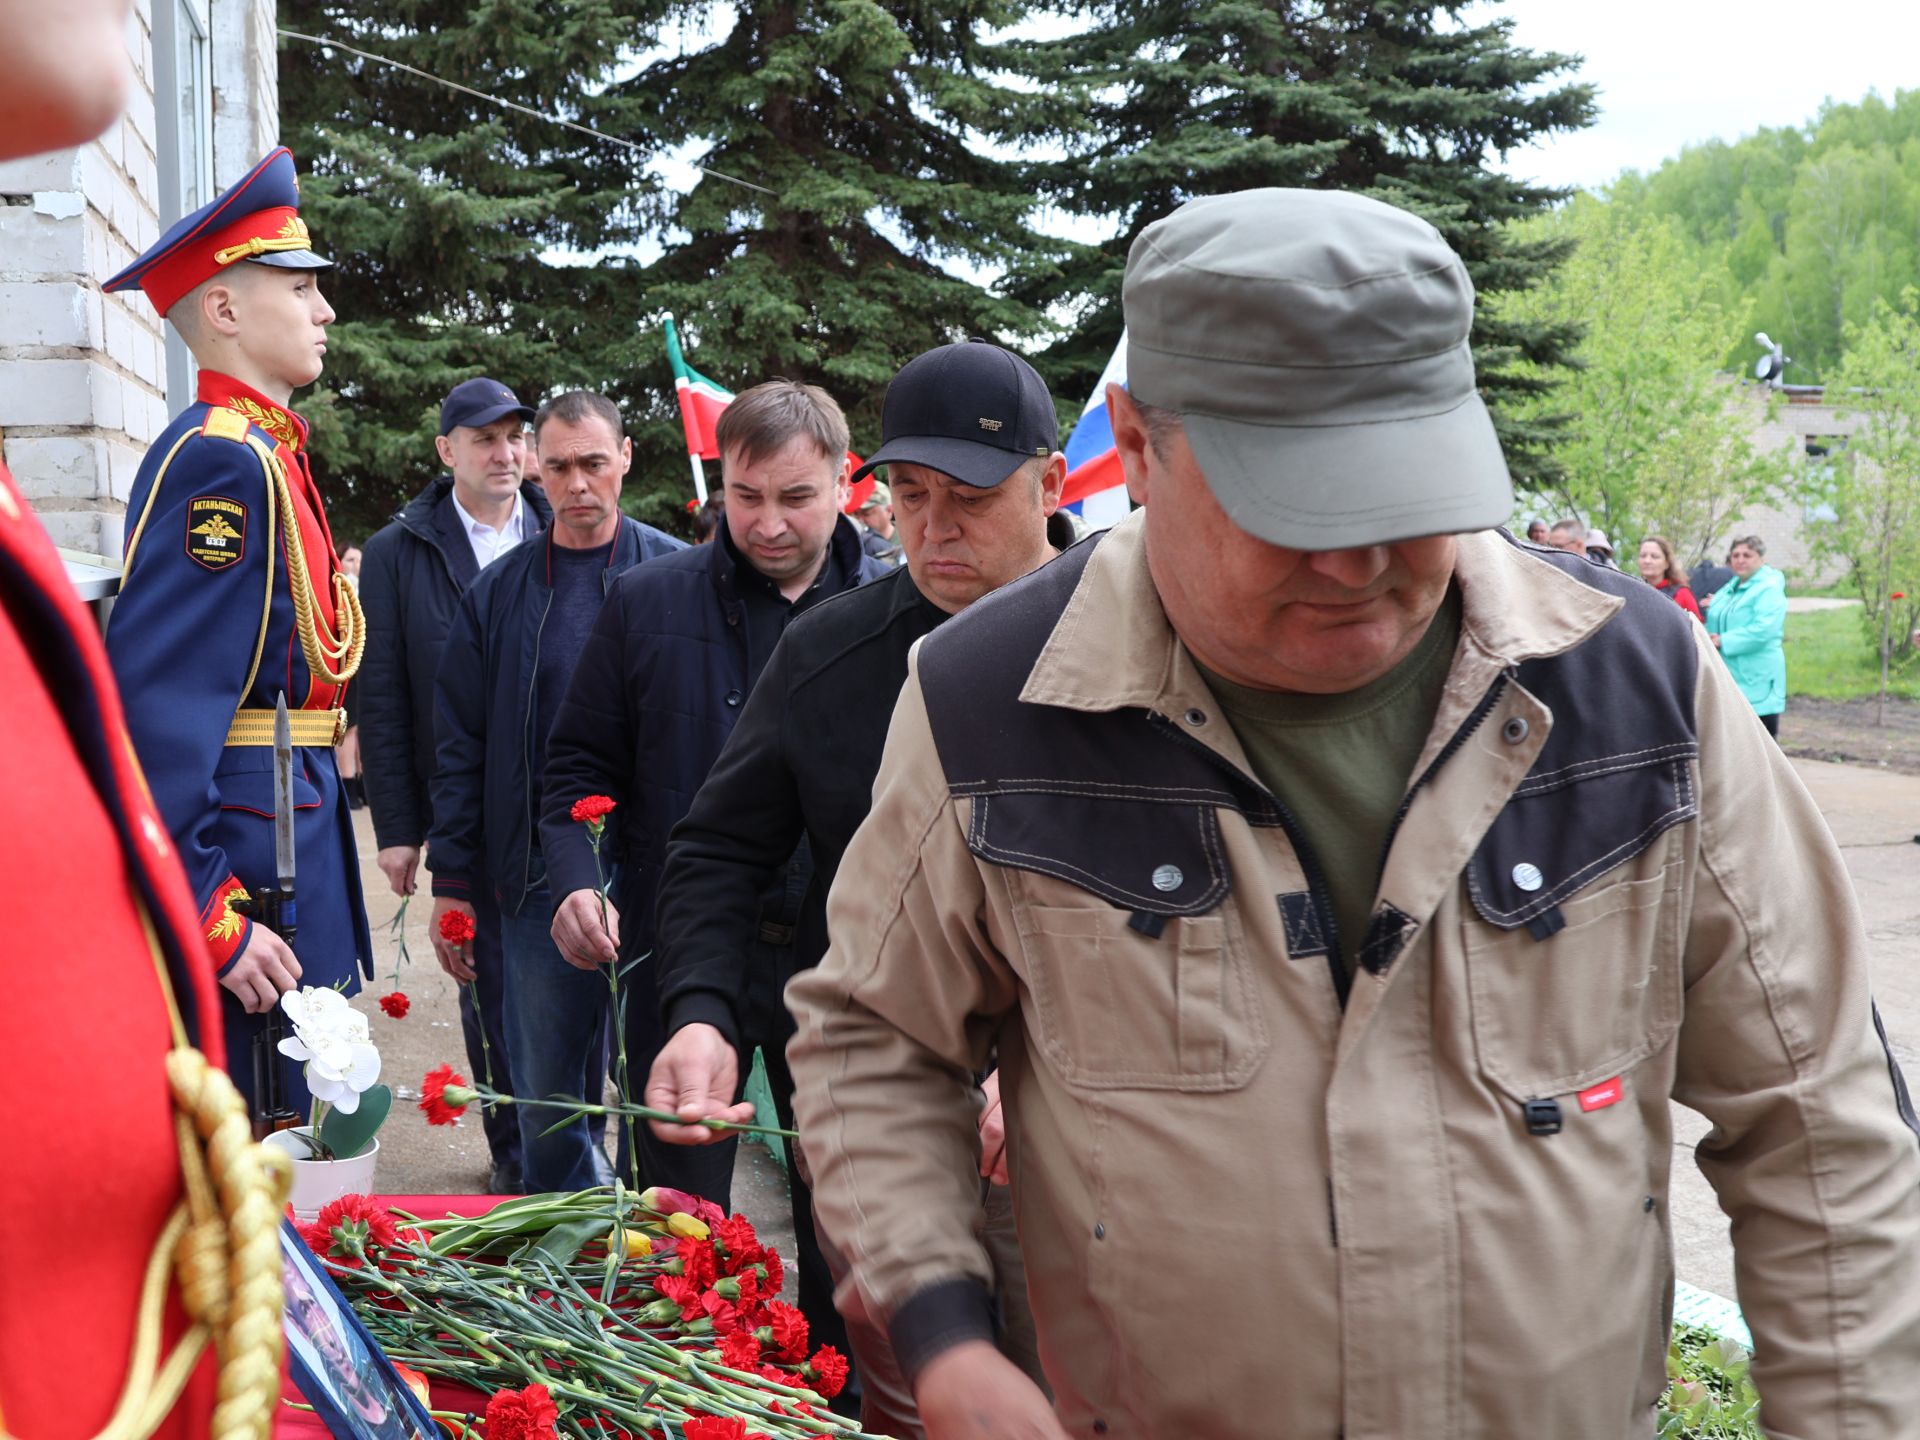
[1654,442]
[1830,658]
[1711,1396]
[1876,492]
[446,216]
[884,131]
[472,240]
[1817,224]
[1409,100]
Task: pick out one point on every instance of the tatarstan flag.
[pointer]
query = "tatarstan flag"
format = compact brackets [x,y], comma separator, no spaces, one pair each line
[701,401]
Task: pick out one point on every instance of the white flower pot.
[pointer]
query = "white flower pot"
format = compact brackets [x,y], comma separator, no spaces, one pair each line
[318,1183]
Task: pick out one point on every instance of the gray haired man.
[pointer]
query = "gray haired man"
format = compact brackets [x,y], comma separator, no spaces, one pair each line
[1347,889]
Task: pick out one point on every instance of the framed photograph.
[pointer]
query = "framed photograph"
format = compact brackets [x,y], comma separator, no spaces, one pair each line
[337,1365]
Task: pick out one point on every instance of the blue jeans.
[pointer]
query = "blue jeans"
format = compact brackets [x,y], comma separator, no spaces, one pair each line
[556,1032]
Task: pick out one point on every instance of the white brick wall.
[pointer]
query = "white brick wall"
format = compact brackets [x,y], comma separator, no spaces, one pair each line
[82,374]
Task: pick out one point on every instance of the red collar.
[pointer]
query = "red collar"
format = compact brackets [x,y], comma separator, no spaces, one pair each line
[278,421]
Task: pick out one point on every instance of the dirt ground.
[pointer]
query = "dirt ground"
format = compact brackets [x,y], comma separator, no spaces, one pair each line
[1844,730]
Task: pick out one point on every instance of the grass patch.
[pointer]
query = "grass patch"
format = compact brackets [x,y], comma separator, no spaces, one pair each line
[1830,658]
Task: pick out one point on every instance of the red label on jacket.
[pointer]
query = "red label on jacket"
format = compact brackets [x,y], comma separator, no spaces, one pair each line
[1598,1097]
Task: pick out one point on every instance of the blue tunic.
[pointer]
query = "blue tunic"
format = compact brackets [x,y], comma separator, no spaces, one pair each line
[206,624]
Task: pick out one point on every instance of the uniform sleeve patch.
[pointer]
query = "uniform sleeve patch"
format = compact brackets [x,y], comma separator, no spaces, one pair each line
[216,531]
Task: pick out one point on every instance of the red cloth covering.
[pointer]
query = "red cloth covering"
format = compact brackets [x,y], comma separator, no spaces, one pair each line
[90,1171]
[303,1424]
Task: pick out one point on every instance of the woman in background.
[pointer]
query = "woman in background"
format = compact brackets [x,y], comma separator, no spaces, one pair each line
[1660,569]
[1747,620]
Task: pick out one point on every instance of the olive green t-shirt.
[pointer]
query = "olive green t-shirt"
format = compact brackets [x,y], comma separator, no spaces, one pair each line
[1343,763]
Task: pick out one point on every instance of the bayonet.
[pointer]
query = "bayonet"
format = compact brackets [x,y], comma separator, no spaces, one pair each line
[275,909]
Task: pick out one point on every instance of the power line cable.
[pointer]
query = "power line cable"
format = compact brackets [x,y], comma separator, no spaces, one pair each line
[512,105]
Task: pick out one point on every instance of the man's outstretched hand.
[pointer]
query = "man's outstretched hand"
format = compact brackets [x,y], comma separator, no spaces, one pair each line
[973,1392]
[696,1075]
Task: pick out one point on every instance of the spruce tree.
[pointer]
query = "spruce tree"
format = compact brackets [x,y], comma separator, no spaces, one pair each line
[1406,100]
[454,225]
[882,137]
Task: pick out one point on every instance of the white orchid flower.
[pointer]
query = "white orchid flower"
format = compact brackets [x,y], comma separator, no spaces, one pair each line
[340,1086]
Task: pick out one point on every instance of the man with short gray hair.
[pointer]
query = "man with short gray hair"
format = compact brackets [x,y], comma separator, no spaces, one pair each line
[1347,889]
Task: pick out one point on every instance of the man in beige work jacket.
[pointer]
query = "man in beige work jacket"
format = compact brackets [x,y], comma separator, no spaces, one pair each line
[1346,888]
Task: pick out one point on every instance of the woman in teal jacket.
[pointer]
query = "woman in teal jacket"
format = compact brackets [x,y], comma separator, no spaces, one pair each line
[1747,618]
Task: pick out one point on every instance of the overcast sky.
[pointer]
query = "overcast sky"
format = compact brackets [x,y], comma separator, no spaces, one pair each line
[1675,72]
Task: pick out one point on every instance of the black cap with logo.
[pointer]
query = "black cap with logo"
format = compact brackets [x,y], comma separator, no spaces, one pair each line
[971,410]
[479,402]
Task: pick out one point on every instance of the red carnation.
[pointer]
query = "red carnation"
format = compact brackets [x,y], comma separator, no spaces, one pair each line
[697,1262]
[785,1330]
[591,808]
[740,1351]
[735,1239]
[444,1096]
[773,1273]
[721,1312]
[521,1414]
[714,1427]
[397,1004]
[348,1229]
[681,1291]
[456,927]
[826,1372]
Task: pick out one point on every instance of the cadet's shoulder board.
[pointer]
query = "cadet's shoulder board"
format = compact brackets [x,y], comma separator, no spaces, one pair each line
[225,424]
[216,531]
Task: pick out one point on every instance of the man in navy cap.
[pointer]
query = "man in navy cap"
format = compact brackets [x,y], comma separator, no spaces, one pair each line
[412,577]
[233,597]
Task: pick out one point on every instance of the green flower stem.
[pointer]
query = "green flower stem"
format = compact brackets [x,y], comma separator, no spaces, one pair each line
[642,1112]
[621,1084]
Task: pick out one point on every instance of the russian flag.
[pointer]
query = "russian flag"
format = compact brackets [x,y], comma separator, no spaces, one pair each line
[1096,490]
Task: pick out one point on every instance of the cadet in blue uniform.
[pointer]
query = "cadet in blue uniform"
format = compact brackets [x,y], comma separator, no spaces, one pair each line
[232,597]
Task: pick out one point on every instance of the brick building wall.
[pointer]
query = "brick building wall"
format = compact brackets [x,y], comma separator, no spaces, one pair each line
[84,377]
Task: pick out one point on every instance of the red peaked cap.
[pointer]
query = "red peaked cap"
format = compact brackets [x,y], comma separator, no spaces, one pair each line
[257,220]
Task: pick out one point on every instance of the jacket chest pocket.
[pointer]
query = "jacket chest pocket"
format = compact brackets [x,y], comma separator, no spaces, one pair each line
[1118,1009]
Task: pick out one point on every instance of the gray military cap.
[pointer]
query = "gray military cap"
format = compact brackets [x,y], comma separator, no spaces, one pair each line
[1315,344]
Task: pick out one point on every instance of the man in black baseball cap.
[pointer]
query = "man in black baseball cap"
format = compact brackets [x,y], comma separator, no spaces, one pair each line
[968,440]
[958,423]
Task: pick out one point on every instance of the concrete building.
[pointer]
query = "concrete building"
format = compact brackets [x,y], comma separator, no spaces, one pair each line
[88,380]
[1817,431]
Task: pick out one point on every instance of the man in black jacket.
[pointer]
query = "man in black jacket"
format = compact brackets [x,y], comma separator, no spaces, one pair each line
[666,669]
[972,504]
[412,577]
[507,662]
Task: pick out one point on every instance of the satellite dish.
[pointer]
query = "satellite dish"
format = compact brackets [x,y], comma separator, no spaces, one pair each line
[1763,368]
[1769,367]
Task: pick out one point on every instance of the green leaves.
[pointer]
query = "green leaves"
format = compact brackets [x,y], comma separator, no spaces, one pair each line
[349,1135]
[1711,1396]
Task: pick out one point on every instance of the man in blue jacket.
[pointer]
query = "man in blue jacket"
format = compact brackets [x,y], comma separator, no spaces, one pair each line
[659,686]
[412,576]
[509,655]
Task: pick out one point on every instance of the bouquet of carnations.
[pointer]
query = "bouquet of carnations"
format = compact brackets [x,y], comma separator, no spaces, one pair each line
[602,1315]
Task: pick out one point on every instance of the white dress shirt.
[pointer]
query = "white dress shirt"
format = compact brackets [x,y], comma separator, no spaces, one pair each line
[488,543]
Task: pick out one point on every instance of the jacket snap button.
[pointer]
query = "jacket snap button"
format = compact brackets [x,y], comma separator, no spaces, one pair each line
[1099,1427]
[1196,717]
[1099,1232]
[1167,877]
[733,697]
[1515,730]
[1528,877]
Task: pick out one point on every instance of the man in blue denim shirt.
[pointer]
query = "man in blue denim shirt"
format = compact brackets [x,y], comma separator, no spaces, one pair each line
[509,656]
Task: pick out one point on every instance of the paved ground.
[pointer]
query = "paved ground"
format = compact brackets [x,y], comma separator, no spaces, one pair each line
[1873,814]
